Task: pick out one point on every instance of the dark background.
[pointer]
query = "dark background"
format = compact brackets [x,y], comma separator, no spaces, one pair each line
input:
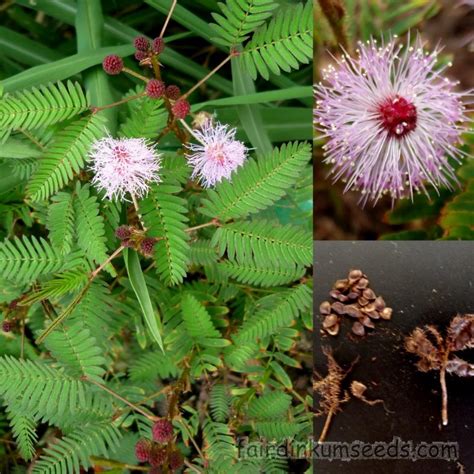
[425,283]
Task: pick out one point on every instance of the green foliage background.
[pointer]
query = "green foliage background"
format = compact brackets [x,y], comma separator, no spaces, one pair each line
[217,320]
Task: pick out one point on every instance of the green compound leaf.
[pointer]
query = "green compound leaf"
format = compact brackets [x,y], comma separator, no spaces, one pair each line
[164,215]
[283,44]
[39,107]
[261,242]
[239,19]
[66,156]
[258,184]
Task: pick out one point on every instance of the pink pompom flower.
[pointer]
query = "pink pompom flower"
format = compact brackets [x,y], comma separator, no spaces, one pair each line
[391,120]
[216,155]
[125,165]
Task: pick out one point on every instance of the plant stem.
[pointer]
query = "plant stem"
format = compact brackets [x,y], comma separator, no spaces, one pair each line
[102,265]
[168,18]
[204,79]
[214,222]
[193,468]
[326,426]
[116,464]
[135,74]
[119,397]
[137,209]
[444,394]
[76,300]
[120,102]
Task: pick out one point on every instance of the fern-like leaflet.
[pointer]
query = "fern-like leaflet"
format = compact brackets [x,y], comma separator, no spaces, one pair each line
[164,215]
[24,260]
[264,242]
[40,107]
[90,226]
[76,350]
[258,184]
[264,275]
[60,222]
[74,450]
[239,19]
[276,311]
[66,156]
[282,44]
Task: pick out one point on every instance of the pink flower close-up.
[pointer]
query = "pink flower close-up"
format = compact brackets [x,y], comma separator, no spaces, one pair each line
[217,153]
[124,166]
[391,120]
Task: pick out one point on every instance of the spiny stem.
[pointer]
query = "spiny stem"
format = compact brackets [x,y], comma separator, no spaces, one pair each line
[326,426]
[137,209]
[135,74]
[119,397]
[120,102]
[205,78]
[168,18]
[198,449]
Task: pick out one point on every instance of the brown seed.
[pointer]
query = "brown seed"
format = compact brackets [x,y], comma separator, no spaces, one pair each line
[373,314]
[369,308]
[334,294]
[358,329]
[341,285]
[379,303]
[334,330]
[354,275]
[338,307]
[352,311]
[367,322]
[353,295]
[362,301]
[342,298]
[330,321]
[325,307]
[386,313]
[369,294]
[362,284]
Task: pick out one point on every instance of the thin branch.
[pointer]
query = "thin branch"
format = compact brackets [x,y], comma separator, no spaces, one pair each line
[135,74]
[205,78]
[192,467]
[137,209]
[116,464]
[123,101]
[170,13]
[119,397]
[94,274]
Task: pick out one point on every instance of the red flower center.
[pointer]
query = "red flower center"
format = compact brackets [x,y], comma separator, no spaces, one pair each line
[398,116]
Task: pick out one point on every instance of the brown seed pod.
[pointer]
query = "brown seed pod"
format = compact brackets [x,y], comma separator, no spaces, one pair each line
[353,295]
[369,294]
[362,284]
[352,311]
[333,330]
[358,329]
[341,285]
[330,321]
[325,307]
[334,294]
[362,301]
[367,322]
[386,313]
[354,275]
[338,307]
[379,303]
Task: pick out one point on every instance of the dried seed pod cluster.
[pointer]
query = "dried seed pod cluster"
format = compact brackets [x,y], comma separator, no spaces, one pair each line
[354,299]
